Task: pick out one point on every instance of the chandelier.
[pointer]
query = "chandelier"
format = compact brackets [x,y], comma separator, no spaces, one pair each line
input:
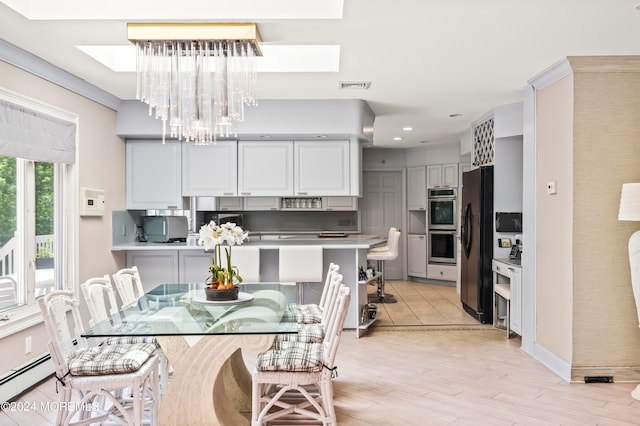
[196,78]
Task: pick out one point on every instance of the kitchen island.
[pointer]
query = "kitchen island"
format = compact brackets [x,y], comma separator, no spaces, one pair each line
[184,263]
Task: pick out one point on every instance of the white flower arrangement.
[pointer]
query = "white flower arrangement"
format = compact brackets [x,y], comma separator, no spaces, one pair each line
[212,236]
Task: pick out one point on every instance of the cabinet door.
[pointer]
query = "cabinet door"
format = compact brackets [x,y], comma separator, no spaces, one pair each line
[516,300]
[153,175]
[230,203]
[261,203]
[417,259]
[416,188]
[156,267]
[340,203]
[321,168]
[434,176]
[210,170]
[450,175]
[265,168]
[194,266]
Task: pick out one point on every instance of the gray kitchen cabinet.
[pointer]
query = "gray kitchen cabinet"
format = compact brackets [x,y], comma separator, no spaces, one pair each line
[155,266]
[265,168]
[417,256]
[194,266]
[153,176]
[210,170]
[321,168]
[442,175]
[230,203]
[416,188]
[262,203]
[340,203]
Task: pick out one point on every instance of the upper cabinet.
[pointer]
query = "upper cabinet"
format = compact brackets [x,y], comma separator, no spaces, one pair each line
[321,168]
[153,174]
[416,188]
[442,175]
[210,170]
[265,168]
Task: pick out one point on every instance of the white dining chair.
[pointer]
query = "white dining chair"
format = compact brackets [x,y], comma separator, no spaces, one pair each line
[97,372]
[129,286]
[97,293]
[294,383]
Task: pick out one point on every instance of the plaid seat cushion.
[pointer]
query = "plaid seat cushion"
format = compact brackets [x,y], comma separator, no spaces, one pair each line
[128,340]
[306,358]
[110,359]
[290,313]
[307,333]
[309,314]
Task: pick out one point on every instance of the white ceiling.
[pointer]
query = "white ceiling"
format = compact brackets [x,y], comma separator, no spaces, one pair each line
[426,59]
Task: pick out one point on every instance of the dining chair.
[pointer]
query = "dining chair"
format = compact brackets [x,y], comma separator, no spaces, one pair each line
[294,383]
[97,373]
[312,313]
[247,260]
[97,293]
[129,286]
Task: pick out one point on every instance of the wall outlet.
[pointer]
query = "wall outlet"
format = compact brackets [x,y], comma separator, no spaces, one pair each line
[552,187]
[27,345]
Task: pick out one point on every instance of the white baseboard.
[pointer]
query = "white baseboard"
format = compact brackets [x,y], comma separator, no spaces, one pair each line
[25,376]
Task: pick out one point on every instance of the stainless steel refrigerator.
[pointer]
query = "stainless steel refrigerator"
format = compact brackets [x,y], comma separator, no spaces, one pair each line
[476,235]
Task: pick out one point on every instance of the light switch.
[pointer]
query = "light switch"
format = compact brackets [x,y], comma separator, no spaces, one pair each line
[552,187]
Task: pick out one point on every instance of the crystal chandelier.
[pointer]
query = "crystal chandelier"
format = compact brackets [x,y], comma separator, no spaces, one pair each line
[197,78]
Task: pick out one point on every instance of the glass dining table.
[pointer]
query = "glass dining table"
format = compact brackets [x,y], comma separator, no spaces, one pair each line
[204,342]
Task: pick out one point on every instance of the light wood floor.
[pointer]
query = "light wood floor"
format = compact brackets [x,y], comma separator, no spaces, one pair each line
[425,373]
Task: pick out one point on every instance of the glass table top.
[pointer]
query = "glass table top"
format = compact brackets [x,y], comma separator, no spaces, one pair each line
[182,309]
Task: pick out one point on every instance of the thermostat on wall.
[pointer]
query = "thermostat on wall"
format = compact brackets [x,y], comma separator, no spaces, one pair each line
[91,202]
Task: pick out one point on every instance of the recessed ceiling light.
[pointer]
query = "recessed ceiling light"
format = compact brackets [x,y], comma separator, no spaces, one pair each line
[457,114]
[407,129]
[397,138]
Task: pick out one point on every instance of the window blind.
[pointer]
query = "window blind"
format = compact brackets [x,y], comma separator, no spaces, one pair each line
[35,135]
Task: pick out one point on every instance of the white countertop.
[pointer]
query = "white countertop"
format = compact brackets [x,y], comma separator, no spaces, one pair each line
[349,242]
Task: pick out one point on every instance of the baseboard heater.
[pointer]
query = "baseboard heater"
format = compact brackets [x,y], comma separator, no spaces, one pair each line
[24,377]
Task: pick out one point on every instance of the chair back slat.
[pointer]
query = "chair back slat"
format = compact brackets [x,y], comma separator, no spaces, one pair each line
[333,269]
[128,285]
[97,292]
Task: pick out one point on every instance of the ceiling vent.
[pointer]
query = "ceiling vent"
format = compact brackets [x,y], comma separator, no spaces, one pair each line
[360,85]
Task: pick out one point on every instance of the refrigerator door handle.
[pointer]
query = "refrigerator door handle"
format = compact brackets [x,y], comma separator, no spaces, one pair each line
[467,223]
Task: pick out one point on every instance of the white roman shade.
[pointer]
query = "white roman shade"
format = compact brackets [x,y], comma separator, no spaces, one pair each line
[35,135]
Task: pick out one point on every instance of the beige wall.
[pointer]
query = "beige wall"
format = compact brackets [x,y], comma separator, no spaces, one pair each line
[100,165]
[606,154]
[588,140]
[554,110]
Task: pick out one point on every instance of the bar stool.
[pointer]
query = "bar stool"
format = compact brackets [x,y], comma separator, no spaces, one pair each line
[300,264]
[504,291]
[380,257]
[247,260]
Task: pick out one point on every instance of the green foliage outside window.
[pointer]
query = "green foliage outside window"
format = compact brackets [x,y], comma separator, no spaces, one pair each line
[8,191]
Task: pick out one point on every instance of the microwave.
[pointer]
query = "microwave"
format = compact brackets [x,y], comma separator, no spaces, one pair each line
[165,229]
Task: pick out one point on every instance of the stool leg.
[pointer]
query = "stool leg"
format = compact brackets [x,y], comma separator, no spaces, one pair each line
[508,320]
[381,280]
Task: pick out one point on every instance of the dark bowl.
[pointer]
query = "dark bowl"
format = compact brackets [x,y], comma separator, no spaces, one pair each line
[213,294]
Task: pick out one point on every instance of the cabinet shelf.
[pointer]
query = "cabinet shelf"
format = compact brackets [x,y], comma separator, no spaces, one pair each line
[375,277]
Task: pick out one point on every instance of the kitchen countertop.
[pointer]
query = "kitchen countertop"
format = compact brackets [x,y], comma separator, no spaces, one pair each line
[349,242]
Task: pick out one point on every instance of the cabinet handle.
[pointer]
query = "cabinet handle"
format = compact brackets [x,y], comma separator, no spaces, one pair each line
[245,193]
[228,193]
[511,269]
[303,193]
[172,207]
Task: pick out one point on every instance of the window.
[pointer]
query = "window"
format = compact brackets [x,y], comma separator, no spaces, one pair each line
[37,151]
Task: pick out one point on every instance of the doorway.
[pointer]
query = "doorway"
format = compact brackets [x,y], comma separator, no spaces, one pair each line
[381,209]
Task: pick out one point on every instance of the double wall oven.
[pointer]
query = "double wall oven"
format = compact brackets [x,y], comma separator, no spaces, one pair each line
[442,225]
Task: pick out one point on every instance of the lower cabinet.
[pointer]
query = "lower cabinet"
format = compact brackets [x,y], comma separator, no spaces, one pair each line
[417,257]
[505,273]
[170,266]
[155,266]
[438,271]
